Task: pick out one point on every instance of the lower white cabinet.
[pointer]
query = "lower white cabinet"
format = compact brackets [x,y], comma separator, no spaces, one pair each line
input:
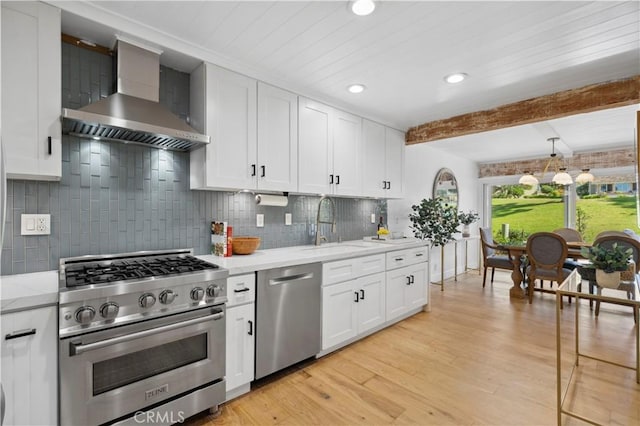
[406,289]
[351,308]
[240,331]
[30,366]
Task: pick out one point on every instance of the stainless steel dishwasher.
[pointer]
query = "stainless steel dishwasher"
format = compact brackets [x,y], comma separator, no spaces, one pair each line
[288,316]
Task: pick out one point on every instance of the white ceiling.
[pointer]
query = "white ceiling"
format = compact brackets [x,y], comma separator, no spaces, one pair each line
[511,51]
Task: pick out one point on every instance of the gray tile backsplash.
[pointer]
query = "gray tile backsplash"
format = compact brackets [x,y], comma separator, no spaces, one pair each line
[116,198]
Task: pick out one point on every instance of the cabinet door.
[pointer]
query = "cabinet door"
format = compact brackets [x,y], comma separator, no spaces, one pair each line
[373,159]
[394,156]
[277,139]
[231,123]
[240,345]
[31,90]
[315,147]
[339,321]
[30,366]
[347,130]
[397,281]
[416,293]
[371,303]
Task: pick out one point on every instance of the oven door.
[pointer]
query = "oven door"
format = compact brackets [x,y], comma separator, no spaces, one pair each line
[113,373]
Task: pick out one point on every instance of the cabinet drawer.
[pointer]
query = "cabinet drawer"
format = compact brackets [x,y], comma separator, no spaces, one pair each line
[241,289]
[400,258]
[348,269]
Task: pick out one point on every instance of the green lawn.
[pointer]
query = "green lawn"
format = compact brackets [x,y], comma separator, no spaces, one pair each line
[536,214]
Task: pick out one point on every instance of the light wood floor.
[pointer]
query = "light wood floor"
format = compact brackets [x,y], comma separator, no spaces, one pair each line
[478,358]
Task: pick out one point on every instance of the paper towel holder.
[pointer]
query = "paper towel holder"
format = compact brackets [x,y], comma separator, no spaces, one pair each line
[272,200]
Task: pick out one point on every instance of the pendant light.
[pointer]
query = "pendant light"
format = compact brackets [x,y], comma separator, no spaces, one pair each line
[585,177]
[528,179]
[562,177]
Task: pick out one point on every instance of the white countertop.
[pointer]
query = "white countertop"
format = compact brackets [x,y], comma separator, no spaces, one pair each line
[24,291]
[289,256]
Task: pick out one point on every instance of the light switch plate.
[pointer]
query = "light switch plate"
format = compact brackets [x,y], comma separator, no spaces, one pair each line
[373,218]
[35,224]
[260,220]
[287,218]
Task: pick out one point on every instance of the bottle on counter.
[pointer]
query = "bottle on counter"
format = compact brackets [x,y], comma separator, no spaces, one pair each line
[229,251]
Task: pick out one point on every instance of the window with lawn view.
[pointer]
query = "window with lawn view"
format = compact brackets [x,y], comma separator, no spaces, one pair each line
[609,203]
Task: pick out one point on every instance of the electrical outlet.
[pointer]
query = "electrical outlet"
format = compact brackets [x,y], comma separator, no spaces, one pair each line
[260,220]
[373,218]
[287,218]
[35,224]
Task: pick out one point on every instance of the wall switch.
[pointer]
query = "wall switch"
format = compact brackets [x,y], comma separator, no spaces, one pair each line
[260,220]
[35,224]
[373,218]
[287,218]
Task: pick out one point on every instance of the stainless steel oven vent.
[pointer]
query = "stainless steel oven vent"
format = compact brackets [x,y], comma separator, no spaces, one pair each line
[133,114]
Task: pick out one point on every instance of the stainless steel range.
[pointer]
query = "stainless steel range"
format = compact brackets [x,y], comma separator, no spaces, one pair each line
[142,338]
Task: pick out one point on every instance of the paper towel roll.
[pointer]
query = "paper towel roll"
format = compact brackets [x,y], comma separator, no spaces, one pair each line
[272,200]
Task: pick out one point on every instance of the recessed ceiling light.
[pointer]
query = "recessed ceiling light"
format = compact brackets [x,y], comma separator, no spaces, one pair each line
[455,77]
[356,88]
[363,7]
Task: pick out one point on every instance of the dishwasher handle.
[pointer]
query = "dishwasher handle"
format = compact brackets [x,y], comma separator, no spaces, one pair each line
[297,277]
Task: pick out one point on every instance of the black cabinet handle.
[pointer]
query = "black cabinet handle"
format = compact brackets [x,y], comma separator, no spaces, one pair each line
[264,171]
[384,184]
[20,333]
[330,179]
[399,259]
[388,184]
[337,179]
[250,328]
[419,254]
[361,294]
[253,170]
[49,143]
[357,296]
[413,279]
[242,290]
[408,280]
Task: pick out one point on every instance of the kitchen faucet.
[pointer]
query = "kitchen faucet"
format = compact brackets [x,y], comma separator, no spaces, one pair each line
[320,237]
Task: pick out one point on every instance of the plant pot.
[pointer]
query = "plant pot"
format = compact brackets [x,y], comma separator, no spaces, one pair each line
[465,230]
[608,279]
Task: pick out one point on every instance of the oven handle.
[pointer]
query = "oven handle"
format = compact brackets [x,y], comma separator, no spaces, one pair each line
[76,348]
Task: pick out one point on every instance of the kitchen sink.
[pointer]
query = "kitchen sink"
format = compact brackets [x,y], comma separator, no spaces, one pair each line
[340,246]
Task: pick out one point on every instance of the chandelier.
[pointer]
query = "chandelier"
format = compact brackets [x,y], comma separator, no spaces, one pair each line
[561,177]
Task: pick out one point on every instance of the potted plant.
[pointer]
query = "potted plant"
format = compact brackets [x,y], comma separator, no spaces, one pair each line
[467,219]
[434,220]
[609,263]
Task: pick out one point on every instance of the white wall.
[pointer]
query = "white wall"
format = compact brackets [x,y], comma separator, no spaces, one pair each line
[422,162]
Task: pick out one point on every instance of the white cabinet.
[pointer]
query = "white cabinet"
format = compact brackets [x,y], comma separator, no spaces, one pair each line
[31,90]
[240,321]
[353,298]
[383,161]
[224,106]
[329,150]
[277,154]
[407,281]
[30,366]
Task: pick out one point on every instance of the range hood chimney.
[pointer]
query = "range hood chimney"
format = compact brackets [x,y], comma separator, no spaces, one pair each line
[133,114]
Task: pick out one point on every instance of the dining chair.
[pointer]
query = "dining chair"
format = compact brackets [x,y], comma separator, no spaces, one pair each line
[546,253]
[624,241]
[491,258]
[570,235]
[611,233]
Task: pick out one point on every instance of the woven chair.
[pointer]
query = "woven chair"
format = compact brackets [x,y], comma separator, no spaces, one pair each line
[546,253]
[570,235]
[492,259]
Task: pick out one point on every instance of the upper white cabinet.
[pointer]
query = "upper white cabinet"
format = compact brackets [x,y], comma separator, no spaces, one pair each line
[224,106]
[253,129]
[383,161]
[277,157]
[31,90]
[329,150]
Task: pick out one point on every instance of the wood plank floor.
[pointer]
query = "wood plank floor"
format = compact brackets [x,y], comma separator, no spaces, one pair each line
[478,358]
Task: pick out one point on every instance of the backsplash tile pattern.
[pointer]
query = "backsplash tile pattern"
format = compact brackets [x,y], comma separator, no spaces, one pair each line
[116,198]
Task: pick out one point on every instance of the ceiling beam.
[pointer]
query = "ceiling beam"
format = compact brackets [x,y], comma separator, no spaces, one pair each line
[594,97]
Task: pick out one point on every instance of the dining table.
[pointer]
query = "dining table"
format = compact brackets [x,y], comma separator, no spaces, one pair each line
[518,250]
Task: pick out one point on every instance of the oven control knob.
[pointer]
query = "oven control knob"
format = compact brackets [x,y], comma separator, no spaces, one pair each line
[197,294]
[213,290]
[109,310]
[147,300]
[167,297]
[85,314]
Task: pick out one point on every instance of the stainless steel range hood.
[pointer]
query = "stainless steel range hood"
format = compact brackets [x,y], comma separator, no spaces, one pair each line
[133,114]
